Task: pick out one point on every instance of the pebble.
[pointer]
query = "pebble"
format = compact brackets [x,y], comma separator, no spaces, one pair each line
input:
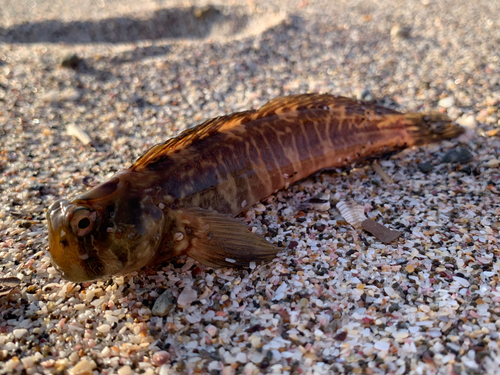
[492,163]
[211,330]
[78,133]
[84,367]
[187,297]
[166,370]
[457,155]
[104,328]
[410,268]
[467,121]
[365,95]
[425,167]
[164,304]
[12,364]
[18,333]
[214,366]
[482,115]
[161,357]
[447,102]
[241,357]
[400,31]
[125,370]
[382,345]
[340,336]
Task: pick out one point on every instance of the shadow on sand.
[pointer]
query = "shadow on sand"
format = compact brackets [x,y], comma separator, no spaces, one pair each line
[192,22]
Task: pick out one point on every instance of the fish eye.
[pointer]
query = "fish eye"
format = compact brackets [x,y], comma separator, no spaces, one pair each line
[82,222]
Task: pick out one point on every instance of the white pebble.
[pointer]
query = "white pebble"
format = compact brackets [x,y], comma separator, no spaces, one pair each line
[28,361]
[461,281]
[446,102]
[211,330]
[83,367]
[187,296]
[214,365]
[18,333]
[104,328]
[249,368]
[241,357]
[11,364]
[260,207]
[165,370]
[125,370]
[389,291]
[467,121]
[382,345]
[255,341]
[256,357]
[106,352]
[493,163]
[400,335]
[79,133]
[73,357]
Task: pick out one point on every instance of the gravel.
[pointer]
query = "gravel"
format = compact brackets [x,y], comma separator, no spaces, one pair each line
[336,300]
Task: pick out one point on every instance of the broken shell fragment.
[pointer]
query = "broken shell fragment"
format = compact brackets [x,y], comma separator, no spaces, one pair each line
[353,213]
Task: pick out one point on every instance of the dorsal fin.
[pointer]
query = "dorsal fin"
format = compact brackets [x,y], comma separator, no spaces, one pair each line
[275,107]
[190,137]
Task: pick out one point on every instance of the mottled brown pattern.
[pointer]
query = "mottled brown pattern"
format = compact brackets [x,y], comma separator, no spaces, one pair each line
[163,205]
[262,150]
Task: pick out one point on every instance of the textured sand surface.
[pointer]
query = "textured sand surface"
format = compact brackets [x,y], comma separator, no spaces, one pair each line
[336,300]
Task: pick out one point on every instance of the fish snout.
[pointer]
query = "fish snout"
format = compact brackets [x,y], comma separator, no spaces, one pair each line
[56,214]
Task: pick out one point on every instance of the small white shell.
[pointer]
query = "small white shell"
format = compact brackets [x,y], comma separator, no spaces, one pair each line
[353,213]
[79,133]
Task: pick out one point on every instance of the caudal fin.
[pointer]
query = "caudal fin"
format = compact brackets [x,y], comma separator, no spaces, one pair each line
[431,127]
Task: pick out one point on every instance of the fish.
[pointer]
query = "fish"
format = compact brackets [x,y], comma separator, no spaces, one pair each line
[181,197]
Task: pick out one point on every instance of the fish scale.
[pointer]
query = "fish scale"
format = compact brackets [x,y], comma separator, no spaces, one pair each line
[178,197]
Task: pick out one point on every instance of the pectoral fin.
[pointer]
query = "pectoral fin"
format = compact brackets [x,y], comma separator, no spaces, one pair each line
[217,240]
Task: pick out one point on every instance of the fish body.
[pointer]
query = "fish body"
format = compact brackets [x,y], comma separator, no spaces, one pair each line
[180,196]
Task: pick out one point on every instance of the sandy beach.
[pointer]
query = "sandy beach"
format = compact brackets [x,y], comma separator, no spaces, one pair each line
[88,87]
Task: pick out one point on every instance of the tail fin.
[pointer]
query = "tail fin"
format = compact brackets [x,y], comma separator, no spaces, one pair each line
[431,127]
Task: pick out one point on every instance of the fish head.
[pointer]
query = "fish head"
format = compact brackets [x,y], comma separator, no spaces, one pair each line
[114,228]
